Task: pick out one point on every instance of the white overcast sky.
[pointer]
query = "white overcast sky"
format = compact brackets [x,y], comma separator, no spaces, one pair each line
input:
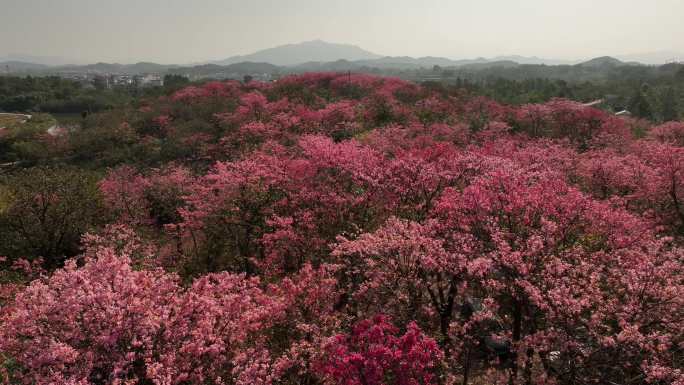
[183,31]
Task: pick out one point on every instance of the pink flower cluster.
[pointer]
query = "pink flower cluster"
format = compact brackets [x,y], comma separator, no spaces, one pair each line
[374,354]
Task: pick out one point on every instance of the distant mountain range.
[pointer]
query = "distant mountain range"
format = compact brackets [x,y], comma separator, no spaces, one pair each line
[533,60]
[654,58]
[321,51]
[97,68]
[315,55]
[14,65]
[137,68]
[243,68]
[44,60]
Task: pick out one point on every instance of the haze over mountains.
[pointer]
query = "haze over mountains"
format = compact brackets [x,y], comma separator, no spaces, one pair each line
[318,55]
[309,51]
[38,60]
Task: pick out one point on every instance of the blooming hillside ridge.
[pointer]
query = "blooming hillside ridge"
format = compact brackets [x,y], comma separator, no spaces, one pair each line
[348,229]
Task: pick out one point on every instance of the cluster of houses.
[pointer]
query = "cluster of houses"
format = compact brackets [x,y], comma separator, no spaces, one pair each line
[109,81]
[140,81]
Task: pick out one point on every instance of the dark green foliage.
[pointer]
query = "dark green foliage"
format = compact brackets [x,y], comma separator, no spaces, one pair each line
[45,211]
[669,105]
[175,82]
[539,83]
[639,104]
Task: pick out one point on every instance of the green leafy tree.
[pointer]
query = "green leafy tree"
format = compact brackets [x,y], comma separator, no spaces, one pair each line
[174,82]
[669,107]
[680,74]
[640,106]
[46,211]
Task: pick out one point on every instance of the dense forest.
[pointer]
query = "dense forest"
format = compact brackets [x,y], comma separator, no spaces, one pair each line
[655,92]
[53,94]
[340,228]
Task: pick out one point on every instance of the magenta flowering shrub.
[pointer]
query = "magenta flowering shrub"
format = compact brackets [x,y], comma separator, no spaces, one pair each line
[671,132]
[374,354]
[349,229]
[152,199]
[561,118]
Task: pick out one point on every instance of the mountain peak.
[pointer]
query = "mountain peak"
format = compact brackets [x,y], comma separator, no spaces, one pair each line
[603,61]
[308,51]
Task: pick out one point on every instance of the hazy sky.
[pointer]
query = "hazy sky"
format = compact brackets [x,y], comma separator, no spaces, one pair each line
[183,31]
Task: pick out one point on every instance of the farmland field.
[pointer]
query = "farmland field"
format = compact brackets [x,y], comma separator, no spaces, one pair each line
[10,119]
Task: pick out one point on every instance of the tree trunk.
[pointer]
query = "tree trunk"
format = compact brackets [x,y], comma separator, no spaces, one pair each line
[517,332]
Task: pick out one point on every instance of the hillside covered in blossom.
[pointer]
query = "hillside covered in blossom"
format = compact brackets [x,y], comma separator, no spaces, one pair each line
[343,229]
